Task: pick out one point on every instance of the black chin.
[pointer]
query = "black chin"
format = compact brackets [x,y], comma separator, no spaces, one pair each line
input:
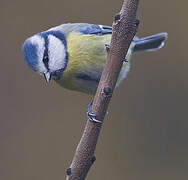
[56,75]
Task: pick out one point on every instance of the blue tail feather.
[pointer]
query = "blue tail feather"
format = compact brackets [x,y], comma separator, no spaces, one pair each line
[150,43]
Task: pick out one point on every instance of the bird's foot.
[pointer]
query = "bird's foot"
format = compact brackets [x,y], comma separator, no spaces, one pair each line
[107,46]
[91,116]
[125,60]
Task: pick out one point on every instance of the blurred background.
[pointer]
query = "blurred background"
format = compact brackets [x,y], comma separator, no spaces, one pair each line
[145,134]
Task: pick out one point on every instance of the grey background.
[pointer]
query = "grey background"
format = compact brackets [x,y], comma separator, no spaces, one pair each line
[145,135]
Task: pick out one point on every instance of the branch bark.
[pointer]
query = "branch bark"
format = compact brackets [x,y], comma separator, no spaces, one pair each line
[123,30]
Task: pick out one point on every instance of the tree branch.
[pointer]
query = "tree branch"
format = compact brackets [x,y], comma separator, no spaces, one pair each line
[123,30]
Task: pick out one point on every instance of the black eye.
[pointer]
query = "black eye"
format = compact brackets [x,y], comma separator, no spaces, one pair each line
[45,61]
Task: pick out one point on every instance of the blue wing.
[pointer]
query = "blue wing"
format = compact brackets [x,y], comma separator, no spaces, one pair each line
[85,28]
[97,29]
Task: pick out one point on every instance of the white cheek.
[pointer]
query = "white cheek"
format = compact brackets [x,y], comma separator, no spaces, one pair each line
[40,43]
[56,53]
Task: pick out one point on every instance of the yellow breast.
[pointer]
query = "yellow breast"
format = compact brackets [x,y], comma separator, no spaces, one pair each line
[86,53]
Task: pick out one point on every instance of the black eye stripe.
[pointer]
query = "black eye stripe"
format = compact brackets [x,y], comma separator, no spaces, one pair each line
[45,57]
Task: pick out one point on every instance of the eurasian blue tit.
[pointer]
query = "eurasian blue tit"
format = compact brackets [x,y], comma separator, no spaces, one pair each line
[74,54]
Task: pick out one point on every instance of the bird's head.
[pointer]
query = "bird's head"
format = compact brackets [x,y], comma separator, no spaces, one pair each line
[46,54]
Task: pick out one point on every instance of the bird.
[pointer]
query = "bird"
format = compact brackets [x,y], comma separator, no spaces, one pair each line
[74,54]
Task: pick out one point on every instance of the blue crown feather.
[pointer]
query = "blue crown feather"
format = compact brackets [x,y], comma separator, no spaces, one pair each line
[30,54]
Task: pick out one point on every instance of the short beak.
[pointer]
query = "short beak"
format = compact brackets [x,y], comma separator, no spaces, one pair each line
[47,76]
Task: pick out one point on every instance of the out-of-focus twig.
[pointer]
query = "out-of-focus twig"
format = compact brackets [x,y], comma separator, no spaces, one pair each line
[123,30]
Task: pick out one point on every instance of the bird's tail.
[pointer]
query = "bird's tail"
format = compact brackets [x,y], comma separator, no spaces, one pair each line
[150,43]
